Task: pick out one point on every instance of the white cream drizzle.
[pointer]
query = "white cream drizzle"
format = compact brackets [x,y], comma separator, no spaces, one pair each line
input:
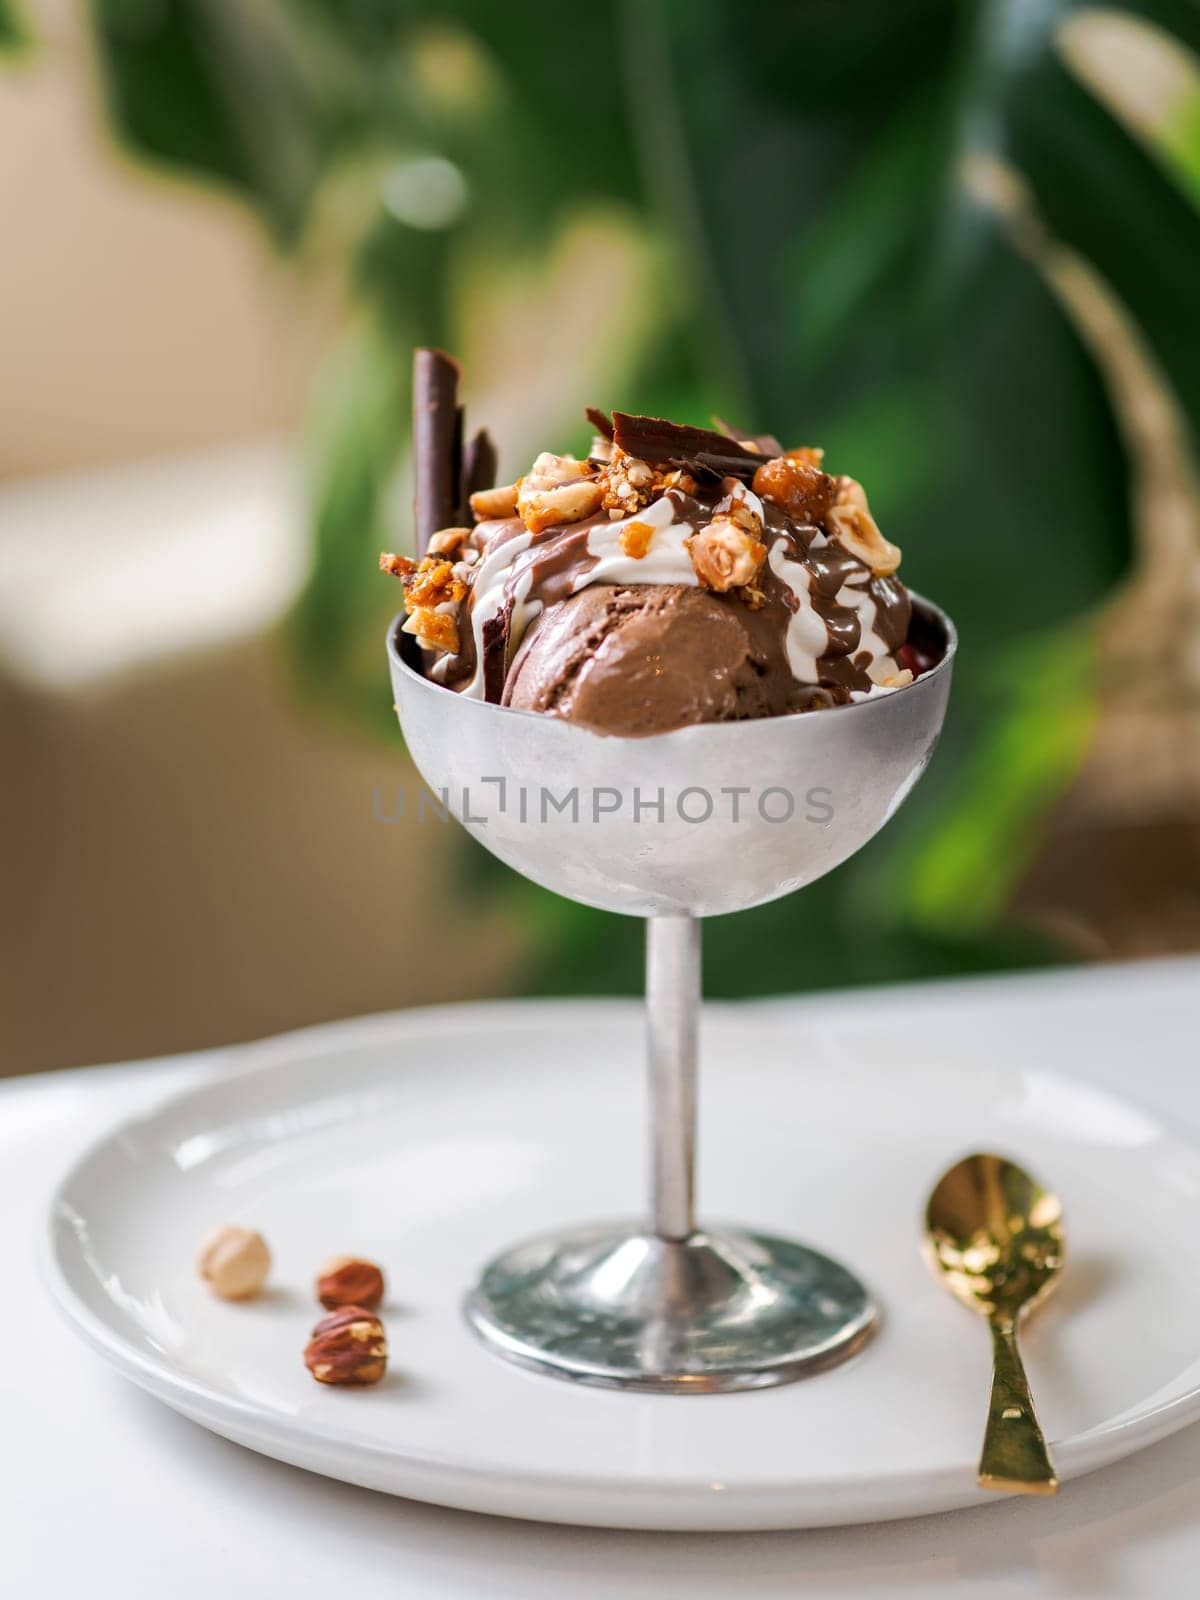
[807,637]
[667,561]
[882,664]
[489,596]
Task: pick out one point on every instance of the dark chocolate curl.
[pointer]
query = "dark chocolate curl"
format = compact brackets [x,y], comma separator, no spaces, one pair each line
[437,443]
[479,471]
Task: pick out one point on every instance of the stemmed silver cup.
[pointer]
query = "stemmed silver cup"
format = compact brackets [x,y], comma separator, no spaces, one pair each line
[673,828]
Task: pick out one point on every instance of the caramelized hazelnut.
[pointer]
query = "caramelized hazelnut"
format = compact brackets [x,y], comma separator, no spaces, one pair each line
[349,1346]
[349,1281]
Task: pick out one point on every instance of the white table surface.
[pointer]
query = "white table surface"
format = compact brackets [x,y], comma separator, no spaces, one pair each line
[104,1492]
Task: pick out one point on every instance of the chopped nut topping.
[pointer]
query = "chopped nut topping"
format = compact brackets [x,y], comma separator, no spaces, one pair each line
[398,566]
[681,480]
[725,556]
[448,541]
[549,471]
[851,523]
[629,484]
[433,581]
[433,584]
[434,630]
[557,490]
[636,538]
[755,599]
[898,680]
[490,505]
[802,489]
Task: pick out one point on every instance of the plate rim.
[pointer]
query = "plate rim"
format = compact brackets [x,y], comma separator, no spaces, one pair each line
[932,1490]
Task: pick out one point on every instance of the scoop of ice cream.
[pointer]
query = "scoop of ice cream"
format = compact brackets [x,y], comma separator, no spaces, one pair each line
[642,658]
[674,576]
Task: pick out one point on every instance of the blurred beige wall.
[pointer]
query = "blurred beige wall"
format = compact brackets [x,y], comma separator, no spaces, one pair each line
[188,856]
[137,314]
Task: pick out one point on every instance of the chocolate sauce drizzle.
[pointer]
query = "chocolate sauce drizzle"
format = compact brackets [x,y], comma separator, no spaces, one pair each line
[553,565]
[557,563]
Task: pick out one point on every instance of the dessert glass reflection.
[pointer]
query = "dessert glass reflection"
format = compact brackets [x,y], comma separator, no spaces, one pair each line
[674,679]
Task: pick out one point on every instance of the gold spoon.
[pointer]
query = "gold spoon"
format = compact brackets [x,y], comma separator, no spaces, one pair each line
[996,1238]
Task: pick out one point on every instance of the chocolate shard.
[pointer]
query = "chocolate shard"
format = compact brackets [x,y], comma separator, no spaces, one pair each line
[766,443]
[656,440]
[479,471]
[437,443]
[600,421]
[710,467]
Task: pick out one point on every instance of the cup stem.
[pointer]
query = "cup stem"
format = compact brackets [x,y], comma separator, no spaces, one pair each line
[672,1009]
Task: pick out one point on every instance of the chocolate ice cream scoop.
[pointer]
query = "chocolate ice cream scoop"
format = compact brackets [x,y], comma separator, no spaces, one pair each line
[674,576]
[643,658]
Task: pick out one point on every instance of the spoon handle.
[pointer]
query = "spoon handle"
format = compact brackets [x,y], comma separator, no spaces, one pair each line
[1015,1458]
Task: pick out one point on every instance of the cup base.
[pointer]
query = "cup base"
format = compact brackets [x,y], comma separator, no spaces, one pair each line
[620,1308]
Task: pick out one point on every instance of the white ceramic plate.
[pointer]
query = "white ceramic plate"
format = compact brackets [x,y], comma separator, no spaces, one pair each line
[431,1139]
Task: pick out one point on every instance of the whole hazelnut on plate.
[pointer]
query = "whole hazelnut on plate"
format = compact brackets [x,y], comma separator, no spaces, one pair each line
[347,1346]
[234,1262]
[349,1281]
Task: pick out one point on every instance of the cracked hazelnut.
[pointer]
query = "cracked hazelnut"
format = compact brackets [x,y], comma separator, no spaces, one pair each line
[725,556]
[448,542]
[557,490]
[349,1346]
[569,502]
[234,1262]
[349,1281]
[851,523]
[492,505]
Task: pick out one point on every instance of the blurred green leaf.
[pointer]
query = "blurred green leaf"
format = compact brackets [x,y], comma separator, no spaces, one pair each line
[356,436]
[217,91]
[14,35]
[1102,194]
[1181,141]
[958,874]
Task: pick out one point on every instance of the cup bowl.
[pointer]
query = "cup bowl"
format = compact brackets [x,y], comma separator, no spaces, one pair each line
[700,821]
